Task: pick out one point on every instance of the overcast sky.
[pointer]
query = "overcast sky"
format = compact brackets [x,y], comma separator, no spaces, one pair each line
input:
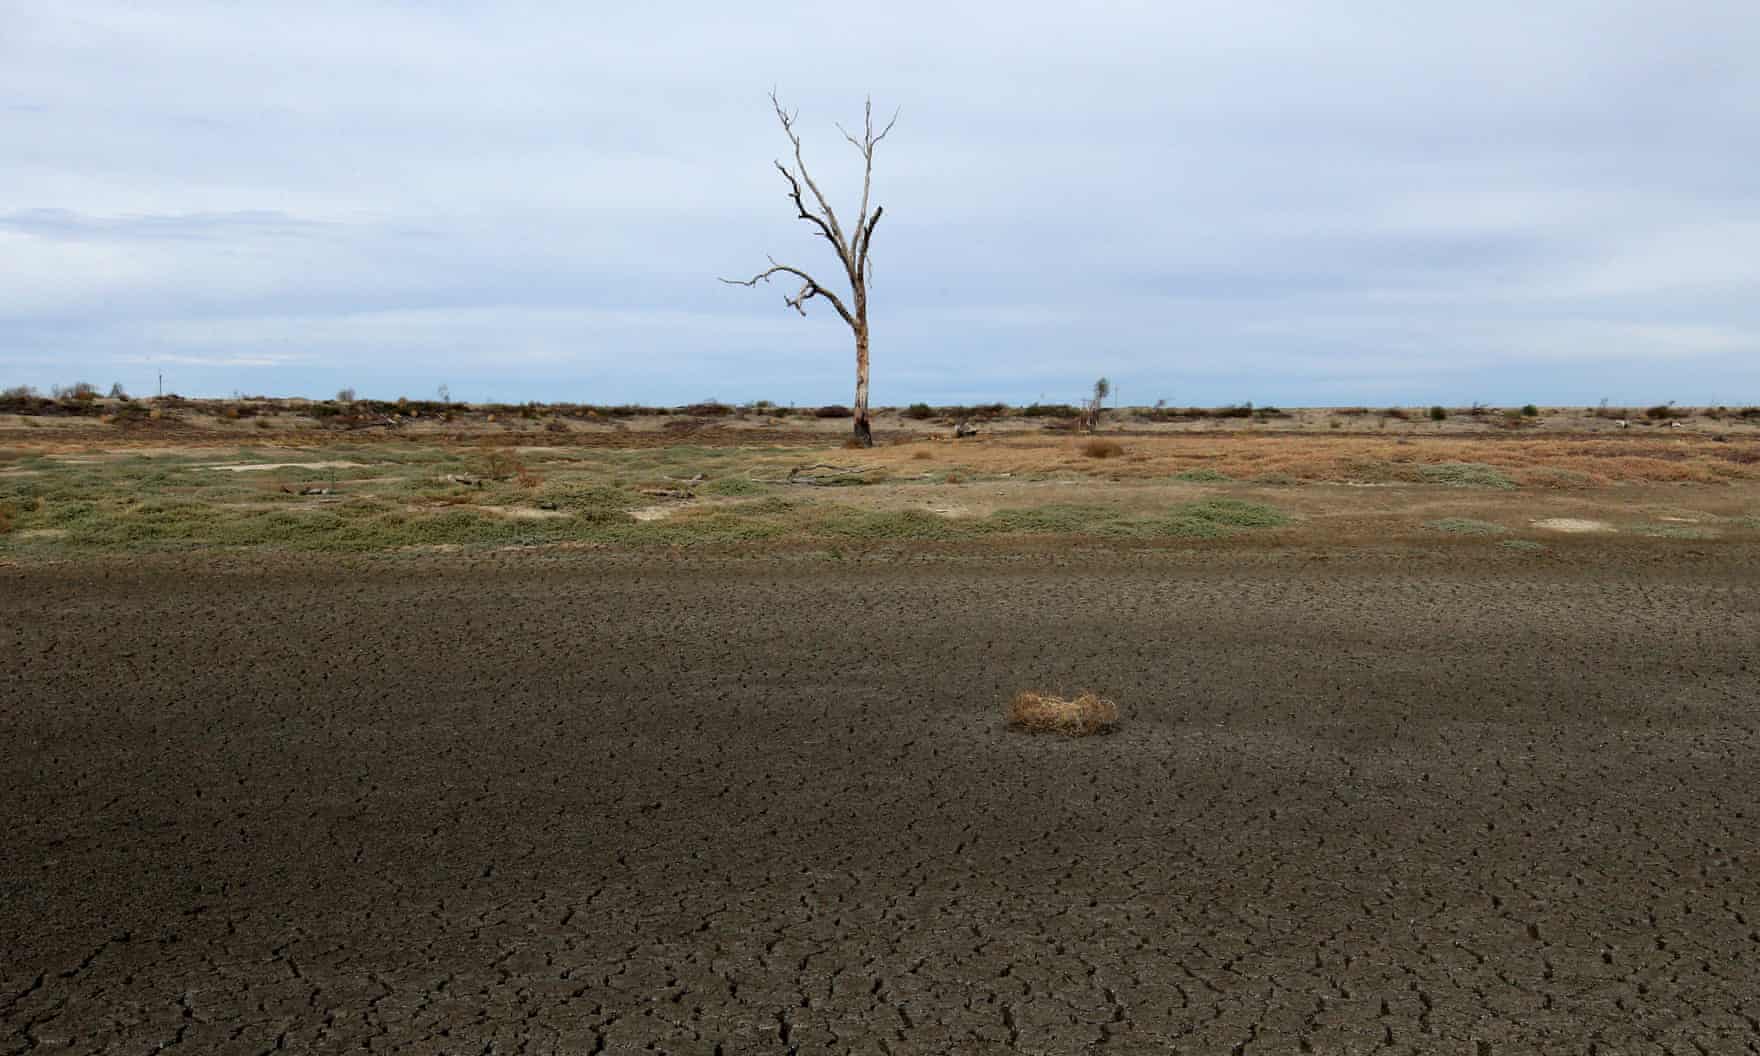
[1299,203]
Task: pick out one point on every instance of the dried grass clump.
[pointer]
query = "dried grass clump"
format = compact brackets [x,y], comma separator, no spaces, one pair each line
[1099,448]
[1086,713]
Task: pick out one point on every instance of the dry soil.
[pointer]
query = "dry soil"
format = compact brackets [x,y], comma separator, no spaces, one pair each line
[1443,803]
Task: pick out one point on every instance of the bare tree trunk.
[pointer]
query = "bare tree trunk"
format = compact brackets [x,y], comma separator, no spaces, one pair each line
[852,249]
[864,434]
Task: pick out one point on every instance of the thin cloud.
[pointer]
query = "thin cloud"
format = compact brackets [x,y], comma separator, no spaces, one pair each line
[1437,203]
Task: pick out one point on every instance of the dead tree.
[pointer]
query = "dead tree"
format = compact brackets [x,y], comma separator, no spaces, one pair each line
[1090,420]
[851,246]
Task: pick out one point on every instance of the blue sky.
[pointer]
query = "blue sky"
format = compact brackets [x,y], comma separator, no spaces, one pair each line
[1294,203]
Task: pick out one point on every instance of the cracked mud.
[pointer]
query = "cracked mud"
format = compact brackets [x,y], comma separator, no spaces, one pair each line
[574,807]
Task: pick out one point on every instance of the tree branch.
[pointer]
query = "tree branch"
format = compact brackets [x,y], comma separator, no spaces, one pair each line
[867,240]
[866,145]
[828,218]
[810,288]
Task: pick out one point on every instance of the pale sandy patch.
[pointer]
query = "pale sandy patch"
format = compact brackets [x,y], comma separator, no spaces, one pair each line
[653,513]
[251,467]
[1574,525]
[522,513]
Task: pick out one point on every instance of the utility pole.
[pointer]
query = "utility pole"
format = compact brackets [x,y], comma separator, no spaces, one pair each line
[161,384]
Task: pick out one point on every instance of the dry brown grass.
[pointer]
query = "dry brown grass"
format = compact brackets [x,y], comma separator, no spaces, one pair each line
[1099,447]
[5,519]
[923,454]
[1537,461]
[1079,716]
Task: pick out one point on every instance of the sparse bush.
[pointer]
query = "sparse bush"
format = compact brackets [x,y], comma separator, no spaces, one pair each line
[345,395]
[833,410]
[502,465]
[1086,713]
[707,409]
[117,392]
[919,411]
[1438,413]
[1398,414]
[1530,411]
[978,411]
[1102,448]
[1050,410]
[79,392]
[1664,411]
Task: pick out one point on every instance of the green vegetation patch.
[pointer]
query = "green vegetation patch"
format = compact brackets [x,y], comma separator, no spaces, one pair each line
[1465,475]
[1466,526]
[884,524]
[1203,476]
[735,486]
[1202,520]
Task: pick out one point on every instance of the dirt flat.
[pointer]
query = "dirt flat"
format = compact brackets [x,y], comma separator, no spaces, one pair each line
[578,804]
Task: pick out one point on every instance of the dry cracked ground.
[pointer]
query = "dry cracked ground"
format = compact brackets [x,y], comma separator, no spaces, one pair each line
[581,805]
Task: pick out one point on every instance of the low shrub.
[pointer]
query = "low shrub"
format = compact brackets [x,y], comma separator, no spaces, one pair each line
[919,411]
[1438,413]
[1079,716]
[834,410]
[1050,410]
[1233,513]
[1530,411]
[734,486]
